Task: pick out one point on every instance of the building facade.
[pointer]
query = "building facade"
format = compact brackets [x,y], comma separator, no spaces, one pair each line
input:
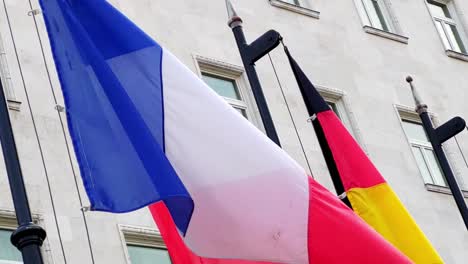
[358,53]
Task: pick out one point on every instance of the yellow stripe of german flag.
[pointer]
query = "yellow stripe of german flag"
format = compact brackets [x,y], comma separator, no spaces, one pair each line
[382,209]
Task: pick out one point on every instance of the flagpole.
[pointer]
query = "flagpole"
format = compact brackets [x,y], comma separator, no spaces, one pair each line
[28,237]
[251,54]
[437,136]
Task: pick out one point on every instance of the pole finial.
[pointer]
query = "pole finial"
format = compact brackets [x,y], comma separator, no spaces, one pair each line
[233,19]
[420,106]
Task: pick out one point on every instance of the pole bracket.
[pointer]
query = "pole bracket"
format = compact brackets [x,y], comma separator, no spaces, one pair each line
[28,234]
[312,118]
[34,12]
[60,108]
[450,129]
[342,196]
[262,45]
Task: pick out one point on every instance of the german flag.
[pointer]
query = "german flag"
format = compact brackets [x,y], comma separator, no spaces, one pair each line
[353,173]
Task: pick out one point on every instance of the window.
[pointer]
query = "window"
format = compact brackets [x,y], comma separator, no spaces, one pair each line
[147,255]
[334,108]
[144,246]
[8,253]
[228,81]
[423,153]
[375,14]
[446,25]
[228,89]
[379,19]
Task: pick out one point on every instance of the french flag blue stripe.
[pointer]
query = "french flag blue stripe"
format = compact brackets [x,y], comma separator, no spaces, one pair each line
[110,73]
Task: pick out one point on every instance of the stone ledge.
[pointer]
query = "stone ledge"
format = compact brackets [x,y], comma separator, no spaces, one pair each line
[456,55]
[14,105]
[442,189]
[141,236]
[8,219]
[217,65]
[386,34]
[295,8]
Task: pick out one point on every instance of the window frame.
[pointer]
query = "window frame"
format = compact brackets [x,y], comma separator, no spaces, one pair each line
[454,20]
[385,16]
[423,148]
[237,74]
[409,115]
[140,236]
[236,103]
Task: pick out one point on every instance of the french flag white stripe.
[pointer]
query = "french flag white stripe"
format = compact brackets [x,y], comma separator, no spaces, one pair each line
[251,199]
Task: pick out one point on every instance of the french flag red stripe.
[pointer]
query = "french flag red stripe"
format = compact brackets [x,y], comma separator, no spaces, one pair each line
[335,235]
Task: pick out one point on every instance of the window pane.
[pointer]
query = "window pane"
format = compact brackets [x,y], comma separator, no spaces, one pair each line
[223,86]
[457,44]
[363,12]
[439,10]
[334,108]
[380,15]
[436,171]
[415,131]
[147,255]
[7,250]
[375,14]
[422,165]
[442,35]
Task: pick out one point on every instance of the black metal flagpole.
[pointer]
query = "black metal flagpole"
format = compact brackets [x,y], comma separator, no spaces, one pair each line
[437,136]
[28,237]
[250,54]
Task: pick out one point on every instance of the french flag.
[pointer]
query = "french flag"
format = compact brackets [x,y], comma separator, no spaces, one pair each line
[145,129]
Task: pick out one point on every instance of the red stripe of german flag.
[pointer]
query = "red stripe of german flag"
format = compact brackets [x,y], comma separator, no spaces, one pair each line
[369,194]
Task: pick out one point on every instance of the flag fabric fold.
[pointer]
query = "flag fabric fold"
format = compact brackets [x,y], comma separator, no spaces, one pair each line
[145,129]
[178,251]
[371,197]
